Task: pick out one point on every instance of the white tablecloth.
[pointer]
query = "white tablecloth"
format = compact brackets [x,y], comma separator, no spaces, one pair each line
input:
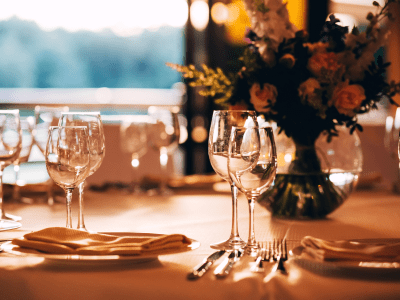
[205,216]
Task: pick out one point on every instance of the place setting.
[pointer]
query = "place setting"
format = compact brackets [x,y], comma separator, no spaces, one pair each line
[74,150]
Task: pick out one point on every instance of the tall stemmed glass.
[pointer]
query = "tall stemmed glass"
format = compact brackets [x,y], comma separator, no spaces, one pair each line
[10,148]
[27,125]
[92,121]
[133,137]
[218,144]
[67,159]
[252,167]
[46,116]
[164,137]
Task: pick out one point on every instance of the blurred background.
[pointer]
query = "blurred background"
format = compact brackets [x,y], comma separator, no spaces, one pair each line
[110,57]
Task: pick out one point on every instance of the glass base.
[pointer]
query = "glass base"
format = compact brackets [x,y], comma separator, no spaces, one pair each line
[230,244]
[251,250]
[8,225]
[160,192]
[9,217]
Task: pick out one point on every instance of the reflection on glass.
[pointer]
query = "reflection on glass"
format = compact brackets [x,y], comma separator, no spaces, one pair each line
[67,159]
[218,145]
[252,163]
[133,137]
[10,148]
[164,135]
[92,121]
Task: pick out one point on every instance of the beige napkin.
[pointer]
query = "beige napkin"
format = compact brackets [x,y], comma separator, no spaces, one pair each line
[61,240]
[348,250]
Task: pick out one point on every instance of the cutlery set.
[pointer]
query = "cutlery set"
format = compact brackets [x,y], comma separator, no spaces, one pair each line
[275,251]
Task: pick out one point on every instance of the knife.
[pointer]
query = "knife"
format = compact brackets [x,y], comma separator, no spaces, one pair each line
[226,266]
[200,269]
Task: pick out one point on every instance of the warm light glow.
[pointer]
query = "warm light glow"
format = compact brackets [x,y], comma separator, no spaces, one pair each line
[296,9]
[123,17]
[397,119]
[163,158]
[199,134]
[199,15]
[183,134]
[389,123]
[237,23]
[288,158]
[135,163]
[219,13]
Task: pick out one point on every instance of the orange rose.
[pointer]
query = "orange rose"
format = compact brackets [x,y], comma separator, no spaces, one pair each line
[348,98]
[263,99]
[308,87]
[323,61]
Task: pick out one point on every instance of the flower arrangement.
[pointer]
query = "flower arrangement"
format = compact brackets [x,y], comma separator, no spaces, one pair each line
[306,88]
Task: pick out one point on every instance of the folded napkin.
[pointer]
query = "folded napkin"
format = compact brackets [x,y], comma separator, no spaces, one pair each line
[61,240]
[350,250]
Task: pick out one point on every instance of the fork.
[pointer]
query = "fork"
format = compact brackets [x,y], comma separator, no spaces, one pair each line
[280,256]
[264,254]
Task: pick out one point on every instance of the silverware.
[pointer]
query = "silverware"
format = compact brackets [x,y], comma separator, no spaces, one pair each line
[280,256]
[226,266]
[200,269]
[264,255]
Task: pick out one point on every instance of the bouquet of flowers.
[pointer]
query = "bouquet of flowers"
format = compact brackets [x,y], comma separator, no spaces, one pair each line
[308,89]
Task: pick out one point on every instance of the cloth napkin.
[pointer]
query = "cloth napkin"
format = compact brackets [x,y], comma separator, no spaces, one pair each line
[61,240]
[350,250]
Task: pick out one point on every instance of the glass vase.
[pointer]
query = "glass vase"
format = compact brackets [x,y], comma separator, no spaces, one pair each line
[313,180]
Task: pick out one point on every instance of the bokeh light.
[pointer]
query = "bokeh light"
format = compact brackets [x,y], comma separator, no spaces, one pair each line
[219,13]
[199,15]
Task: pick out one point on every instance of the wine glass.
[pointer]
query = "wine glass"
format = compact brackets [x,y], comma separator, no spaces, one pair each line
[92,121]
[252,167]
[46,116]
[218,144]
[164,137]
[10,148]
[133,137]
[67,159]
[27,125]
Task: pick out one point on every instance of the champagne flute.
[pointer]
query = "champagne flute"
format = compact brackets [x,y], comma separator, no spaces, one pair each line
[164,137]
[133,137]
[92,121]
[67,159]
[218,143]
[10,148]
[252,167]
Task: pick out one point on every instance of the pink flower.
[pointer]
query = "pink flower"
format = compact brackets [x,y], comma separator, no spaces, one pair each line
[263,99]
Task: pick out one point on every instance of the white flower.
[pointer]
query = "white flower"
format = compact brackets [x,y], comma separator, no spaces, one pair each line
[356,66]
[270,22]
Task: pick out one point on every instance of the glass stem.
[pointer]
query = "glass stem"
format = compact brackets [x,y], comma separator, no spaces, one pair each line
[1,192]
[68,193]
[252,237]
[164,164]
[16,193]
[81,222]
[235,229]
